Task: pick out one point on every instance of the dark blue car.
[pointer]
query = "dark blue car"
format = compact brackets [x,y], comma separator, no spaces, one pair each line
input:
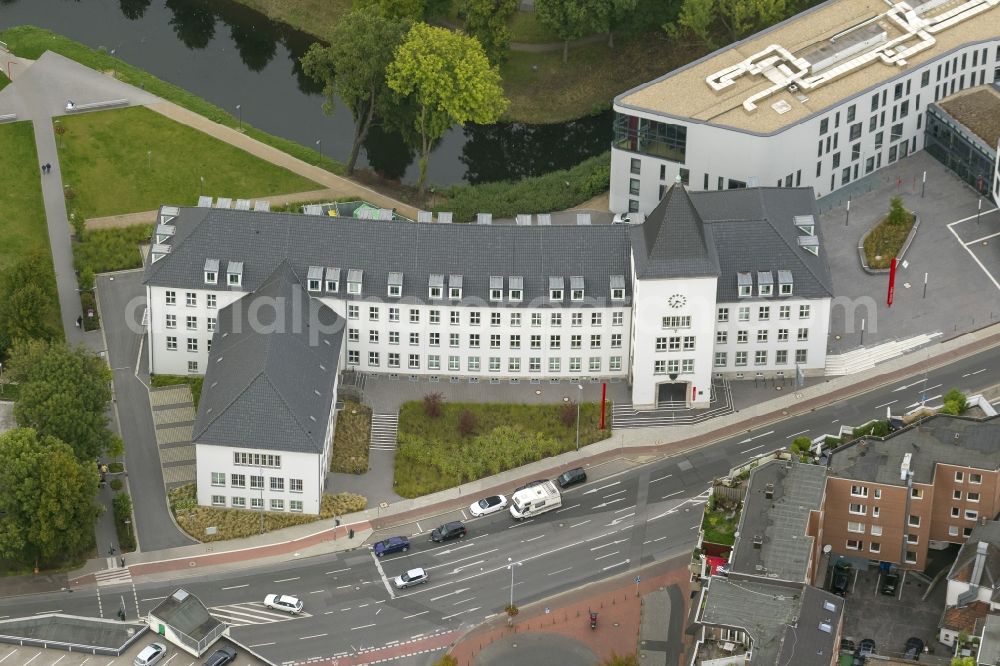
[396,544]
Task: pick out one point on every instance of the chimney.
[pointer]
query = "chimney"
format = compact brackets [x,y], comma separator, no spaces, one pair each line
[769,491]
[904,468]
[977,570]
[758,541]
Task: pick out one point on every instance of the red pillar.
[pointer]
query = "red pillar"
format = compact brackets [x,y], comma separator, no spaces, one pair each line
[604,398]
[892,282]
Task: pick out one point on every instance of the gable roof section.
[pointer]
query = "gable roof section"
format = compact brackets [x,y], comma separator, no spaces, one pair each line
[272,373]
[961,569]
[377,247]
[671,242]
[754,230]
[185,613]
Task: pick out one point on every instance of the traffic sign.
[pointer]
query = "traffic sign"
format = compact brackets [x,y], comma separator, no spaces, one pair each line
[638,580]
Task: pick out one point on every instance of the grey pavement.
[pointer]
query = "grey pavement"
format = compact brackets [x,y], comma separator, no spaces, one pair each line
[961,296]
[657,612]
[121,299]
[536,650]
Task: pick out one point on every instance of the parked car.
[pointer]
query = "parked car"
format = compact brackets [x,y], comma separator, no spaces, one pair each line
[150,654]
[452,530]
[410,578]
[395,544]
[283,602]
[571,477]
[890,583]
[867,647]
[488,505]
[622,218]
[913,649]
[529,484]
[841,579]
[221,657]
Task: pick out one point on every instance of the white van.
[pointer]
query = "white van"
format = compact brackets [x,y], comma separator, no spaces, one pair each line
[535,500]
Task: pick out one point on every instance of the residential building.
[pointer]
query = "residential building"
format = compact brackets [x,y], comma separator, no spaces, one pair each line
[889,500]
[962,133]
[819,100]
[766,611]
[973,584]
[989,643]
[185,621]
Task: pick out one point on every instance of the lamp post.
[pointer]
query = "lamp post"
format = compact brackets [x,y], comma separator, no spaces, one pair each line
[1,378]
[239,110]
[510,565]
[261,470]
[201,192]
[579,398]
[319,146]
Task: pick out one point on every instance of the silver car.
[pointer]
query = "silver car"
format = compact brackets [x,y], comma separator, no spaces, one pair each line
[150,654]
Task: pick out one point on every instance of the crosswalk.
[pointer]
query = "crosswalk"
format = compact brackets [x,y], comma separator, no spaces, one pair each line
[384,427]
[250,613]
[113,575]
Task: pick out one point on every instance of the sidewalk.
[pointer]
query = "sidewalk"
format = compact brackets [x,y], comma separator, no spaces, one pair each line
[619,618]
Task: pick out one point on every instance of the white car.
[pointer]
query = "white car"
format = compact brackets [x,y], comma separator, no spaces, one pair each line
[622,218]
[410,578]
[150,654]
[283,602]
[488,505]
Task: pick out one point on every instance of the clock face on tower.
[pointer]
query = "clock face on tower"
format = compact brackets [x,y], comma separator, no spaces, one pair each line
[677,301]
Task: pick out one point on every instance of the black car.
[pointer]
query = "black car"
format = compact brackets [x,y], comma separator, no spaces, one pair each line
[890,584]
[454,530]
[913,649]
[220,657]
[571,477]
[529,484]
[841,579]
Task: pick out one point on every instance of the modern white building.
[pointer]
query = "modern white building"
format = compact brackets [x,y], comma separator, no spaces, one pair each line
[271,306]
[819,100]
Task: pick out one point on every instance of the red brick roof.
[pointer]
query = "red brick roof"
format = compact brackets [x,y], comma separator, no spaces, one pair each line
[965,618]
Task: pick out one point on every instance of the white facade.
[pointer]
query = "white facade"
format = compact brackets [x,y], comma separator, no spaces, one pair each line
[826,151]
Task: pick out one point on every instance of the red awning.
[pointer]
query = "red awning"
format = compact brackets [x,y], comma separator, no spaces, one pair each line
[714,563]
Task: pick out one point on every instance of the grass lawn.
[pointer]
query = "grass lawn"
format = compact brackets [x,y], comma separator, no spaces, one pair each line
[139,151]
[31,42]
[4,81]
[350,442]
[544,90]
[886,240]
[317,17]
[526,28]
[193,381]
[22,215]
[434,454]
[239,523]
[719,528]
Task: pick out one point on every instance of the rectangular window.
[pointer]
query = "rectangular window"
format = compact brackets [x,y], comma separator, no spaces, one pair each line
[782,335]
[635,166]
[433,362]
[277,483]
[913,521]
[762,335]
[373,359]
[744,313]
[554,364]
[616,340]
[171,321]
[911,557]
[414,316]
[595,341]
[295,485]
[659,367]
[455,318]
[859,491]
[454,363]
[555,319]
[741,358]
[721,337]
[576,319]
[801,355]
[953,530]
[575,342]
[218,478]
[764,312]
[854,544]
[876,530]
[218,500]
[803,335]
[171,343]
[210,301]
[352,311]
[170,297]
[594,364]
[575,364]
[742,337]
[473,364]
[595,318]
[277,505]
[856,527]
[535,364]
[760,357]
[238,480]
[617,318]
[414,362]
[677,321]
[435,316]
[192,344]
[414,339]
[973,497]
[858,509]
[191,299]
[720,359]
[353,357]
[781,357]
[723,315]
[971,515]
[959,477]
[615,364]
[975,478]
[256,482]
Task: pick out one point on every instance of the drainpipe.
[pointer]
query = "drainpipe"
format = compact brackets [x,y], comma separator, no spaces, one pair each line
[906,517]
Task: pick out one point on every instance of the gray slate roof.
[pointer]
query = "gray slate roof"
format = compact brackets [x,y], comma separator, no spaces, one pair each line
[989,649]
[728,232]
[805,643]
[262,240]
[270,382]
[671,242]
[781,521]
[184,612]
[962,567]
[758,608]
[932,442]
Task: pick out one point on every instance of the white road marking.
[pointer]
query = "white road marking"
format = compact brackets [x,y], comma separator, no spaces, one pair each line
[604,504]
[336,571]
[578,524]
[605,545]
[285,580]
[601,557]
[458,591]
[625,509]
[796,434]
[886,404]
[594,490]
[419,528]
[470,610]
[317,591]
[235,587]
[619,520]
[617,564]
[464,517]
[364,626]
[58,660]
[534,538]
[461,559]
[906,386]
[559,572]
[340,587]
[381,573]
[378,611]
[931,388]
[463,601]
[661,478]
[148,599]
[448,551]
[58,610]
[970,374]
[671,494]
[256,645]
[567,508]
[752,448]
[466,566]
[614,493]
[9,654]
[763,434]
[416,615]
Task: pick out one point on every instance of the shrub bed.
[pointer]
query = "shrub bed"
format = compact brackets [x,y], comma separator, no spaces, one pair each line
[239,523]
[193,382]
[350,442]
[106,250]
[123,511]
[434,454]
[553,191]
[886,239]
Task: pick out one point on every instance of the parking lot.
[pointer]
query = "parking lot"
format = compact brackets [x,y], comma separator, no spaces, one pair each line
[891,620]
[13,655]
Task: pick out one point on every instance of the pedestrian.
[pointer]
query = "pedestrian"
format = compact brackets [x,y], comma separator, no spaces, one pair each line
[48,168]
[43,168]
[79,321]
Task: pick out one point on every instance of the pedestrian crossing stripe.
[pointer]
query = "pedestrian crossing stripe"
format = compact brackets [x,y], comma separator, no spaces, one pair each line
[251,613]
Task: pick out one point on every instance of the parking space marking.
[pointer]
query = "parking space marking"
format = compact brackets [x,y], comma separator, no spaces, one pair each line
[8,654]
[951,228]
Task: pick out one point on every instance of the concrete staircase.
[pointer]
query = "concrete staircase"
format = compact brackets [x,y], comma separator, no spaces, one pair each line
[384,427]
[866,358]
[668,413]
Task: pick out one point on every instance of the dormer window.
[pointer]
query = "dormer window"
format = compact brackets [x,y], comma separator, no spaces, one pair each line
[618,287]
[744,283]
[234,274]
[211,271]
[435,287]
[785,283]
[455,287]
[333,280]
[314,278]
[496,288]
[395,285]
[354,279]
[556,287]
[576,288]
[765,283]
[515,288]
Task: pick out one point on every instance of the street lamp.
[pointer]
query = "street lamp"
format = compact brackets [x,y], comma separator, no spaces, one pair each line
[261,470]
[580,397]
[319,146]
[239,110]
[1,378]
[202,190]
[510,565]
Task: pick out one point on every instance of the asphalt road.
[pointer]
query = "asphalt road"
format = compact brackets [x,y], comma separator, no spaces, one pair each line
[608,526]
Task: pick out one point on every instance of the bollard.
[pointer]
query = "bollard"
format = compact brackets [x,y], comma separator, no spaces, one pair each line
[350,533]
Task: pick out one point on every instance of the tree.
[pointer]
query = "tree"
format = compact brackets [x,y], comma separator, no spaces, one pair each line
[801,444]
[65,393]
[611,14]
[621,660]
[47,509]
[569,19]
[27,305]
[433,404]
[897,214]
[954,403]
[698,16]
[353,67]
[739,17]
[963,661]
[486,20]
[449,79]
[411,10]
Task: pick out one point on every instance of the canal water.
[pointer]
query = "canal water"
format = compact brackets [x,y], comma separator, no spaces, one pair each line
[231,56]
